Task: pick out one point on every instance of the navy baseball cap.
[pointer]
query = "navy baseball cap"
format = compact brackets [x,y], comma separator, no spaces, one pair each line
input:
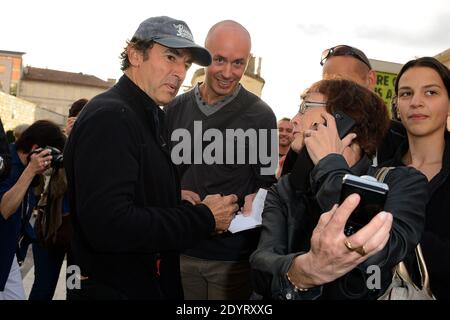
[172,33]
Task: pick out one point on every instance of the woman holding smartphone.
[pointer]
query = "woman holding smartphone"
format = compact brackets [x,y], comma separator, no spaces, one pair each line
[423,103]
[303,252]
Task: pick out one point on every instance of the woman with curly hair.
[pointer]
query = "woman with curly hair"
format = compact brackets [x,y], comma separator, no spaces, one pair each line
[304,253]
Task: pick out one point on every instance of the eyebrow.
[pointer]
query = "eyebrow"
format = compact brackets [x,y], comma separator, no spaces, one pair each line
[174,51]
[178,54]
[425,86]
[219,56]
[241,60]
[431,85]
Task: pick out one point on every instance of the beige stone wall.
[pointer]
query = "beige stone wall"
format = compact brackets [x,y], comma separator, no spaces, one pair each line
[447,62]
[444,57]
[252,85]
[15,111]
[54,99]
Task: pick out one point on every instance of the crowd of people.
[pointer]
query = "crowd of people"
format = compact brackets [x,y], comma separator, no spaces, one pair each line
[141,187]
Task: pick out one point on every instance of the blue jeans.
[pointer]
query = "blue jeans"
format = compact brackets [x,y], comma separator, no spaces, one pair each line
[47,265]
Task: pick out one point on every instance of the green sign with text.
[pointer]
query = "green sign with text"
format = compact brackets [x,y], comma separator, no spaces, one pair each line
[385,86]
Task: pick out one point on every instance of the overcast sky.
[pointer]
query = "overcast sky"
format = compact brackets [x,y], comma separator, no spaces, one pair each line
[88,35]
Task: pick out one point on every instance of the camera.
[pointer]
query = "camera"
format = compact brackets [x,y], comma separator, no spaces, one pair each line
[2,165]
[57,156]
[373,196]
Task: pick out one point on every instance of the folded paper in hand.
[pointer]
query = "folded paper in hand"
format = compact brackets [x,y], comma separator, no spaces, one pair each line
[254,220]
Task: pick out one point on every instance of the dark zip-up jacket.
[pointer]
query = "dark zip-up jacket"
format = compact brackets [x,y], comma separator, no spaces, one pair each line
[290,216]
[129,221]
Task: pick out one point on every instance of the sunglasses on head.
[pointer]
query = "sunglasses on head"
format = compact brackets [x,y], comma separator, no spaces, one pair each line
[344,50]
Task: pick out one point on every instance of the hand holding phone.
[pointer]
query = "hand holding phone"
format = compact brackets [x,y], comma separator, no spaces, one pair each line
[344,123]
[326,138]
[373,196]
[299,177]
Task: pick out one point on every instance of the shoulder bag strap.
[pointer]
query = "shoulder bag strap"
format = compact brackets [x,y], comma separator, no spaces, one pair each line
[400,268]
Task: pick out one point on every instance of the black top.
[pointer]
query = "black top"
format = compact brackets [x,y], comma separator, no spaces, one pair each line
[125,198]
[245,111]
[5,158]
[395,136]
[290,216]
[435,241]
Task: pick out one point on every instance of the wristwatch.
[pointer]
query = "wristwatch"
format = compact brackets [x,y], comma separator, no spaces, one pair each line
[2,165]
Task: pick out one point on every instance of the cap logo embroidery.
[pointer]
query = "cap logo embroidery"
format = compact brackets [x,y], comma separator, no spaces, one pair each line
[183,32]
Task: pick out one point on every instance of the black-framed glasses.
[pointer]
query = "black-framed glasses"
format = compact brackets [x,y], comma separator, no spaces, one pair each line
[344,50]
[305,105]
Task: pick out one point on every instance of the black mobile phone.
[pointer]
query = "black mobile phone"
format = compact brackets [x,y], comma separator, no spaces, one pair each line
[373,196]
[299,177]
[344,123]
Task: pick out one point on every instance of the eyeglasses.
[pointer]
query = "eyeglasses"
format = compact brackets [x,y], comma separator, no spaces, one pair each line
[309,104]
[344,50]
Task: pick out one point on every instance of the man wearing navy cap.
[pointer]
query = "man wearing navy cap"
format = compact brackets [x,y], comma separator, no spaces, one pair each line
[129,220]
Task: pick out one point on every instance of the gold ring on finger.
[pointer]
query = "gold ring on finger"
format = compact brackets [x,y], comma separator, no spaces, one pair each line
[348,245]
[361,250]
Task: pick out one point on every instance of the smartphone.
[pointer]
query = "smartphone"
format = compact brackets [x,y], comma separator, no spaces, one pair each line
[373,196]
[344,123]
[302,167]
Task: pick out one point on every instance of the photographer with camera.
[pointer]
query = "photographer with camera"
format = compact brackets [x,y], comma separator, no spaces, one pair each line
[304,253]
[53,224]
[17,201]
[52,228]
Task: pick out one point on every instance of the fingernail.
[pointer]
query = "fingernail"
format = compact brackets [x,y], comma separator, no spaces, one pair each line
[353,198]
[383,215]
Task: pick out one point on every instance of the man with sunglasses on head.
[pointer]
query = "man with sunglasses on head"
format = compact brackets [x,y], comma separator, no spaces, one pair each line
[350,63]
[346,62]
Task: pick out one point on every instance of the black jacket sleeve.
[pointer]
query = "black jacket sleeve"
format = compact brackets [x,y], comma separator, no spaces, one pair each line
[105,171]
[284,215]
[272,259]
[406,201]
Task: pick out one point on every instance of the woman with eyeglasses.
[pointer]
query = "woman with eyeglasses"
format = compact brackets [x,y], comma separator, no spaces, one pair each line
[303,252]
[423,102]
